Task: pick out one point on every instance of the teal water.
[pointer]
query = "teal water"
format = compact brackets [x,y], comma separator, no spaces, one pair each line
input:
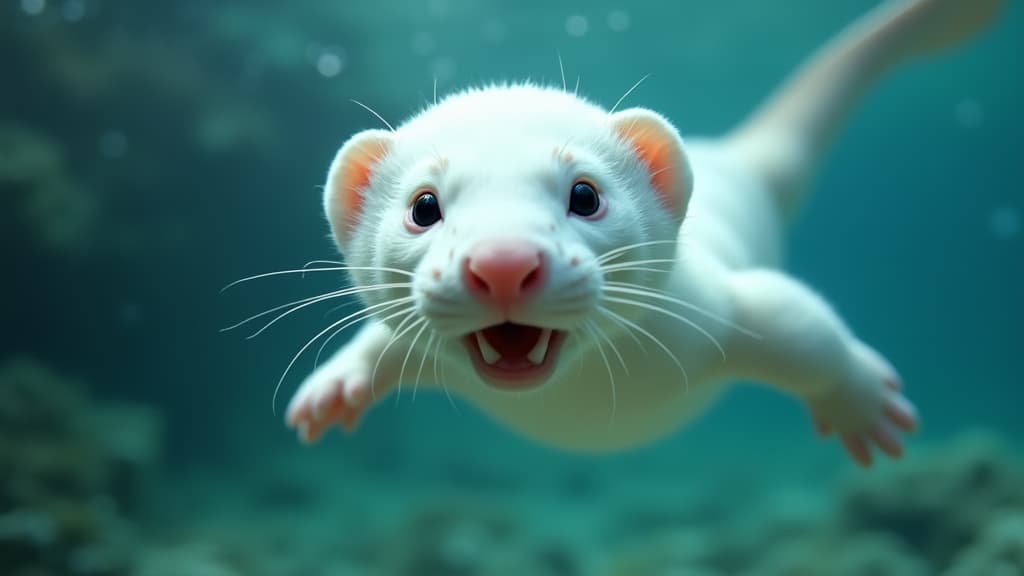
[151,153]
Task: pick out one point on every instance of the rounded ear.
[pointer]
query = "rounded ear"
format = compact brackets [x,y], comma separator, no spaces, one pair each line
[349,179]
[659,147]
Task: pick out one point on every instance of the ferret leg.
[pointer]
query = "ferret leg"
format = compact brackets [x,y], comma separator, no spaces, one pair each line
[804,348]
[340,390]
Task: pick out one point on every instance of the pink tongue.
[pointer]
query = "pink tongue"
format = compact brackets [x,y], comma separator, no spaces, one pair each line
[512,340]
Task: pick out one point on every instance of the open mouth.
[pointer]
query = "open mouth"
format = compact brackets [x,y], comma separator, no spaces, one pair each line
[514,356]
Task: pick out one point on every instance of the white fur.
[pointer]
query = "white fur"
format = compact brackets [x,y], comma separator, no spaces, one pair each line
[502,160]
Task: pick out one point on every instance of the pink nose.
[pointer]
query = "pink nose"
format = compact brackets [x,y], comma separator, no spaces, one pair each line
[503,273]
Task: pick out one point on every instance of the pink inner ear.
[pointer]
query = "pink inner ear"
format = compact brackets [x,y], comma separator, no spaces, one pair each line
[354,175]
[657,145]
[661,159]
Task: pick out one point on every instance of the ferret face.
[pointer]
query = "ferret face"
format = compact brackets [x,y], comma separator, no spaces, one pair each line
[513,209]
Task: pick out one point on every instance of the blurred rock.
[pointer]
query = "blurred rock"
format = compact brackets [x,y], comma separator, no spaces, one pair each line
[958,507]
[61,214]
[71,470]
[938,503]
[998,551]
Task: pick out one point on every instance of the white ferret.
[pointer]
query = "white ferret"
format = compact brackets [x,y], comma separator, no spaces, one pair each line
[590,280]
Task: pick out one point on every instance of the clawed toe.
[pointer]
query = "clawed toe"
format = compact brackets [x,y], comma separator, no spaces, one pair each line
[858,449]
[901,413]
[336,402]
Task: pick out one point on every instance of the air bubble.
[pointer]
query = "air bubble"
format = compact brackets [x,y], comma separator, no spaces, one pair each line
[577,25]
[618,20]
[423,44]
[73,10]
[970,113]
[494,31]
[330,62]
[1004,222]
[443,69]
[33,7]
[113,144]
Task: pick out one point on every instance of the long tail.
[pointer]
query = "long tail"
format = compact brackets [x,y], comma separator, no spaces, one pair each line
[785,138]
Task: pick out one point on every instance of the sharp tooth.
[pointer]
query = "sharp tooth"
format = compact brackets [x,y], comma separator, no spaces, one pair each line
[486,350]
[540,349]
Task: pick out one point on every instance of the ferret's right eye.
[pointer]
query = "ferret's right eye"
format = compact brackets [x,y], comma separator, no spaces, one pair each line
[426,211]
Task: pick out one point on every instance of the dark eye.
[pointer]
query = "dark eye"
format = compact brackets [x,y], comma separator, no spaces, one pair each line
[425,210]
[583,199]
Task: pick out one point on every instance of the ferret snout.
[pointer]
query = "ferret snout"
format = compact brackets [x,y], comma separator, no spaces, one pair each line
[504,273]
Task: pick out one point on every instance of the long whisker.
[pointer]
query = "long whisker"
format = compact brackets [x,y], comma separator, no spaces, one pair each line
[614,253]
[443,379]
[561,70]
[653,338]
[630,333]
[630,288]
[412,345]
[628,92]
[359,316]
[637,263]
[399,332]
[345,292]
[682,319]
[638,269]
[323,263]
[308,270]
[316,298]
[423,361]
[332,326]
[611,345]
[607,365]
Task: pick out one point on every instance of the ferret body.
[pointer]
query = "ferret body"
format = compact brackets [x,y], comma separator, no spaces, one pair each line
[590,280]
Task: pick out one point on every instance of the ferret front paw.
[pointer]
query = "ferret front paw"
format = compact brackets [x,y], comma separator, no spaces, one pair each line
[337,393]
[867,409]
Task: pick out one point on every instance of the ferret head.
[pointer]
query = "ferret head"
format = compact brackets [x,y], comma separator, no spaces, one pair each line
[522,218]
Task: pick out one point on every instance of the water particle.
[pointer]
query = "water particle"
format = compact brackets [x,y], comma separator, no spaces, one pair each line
[439,8]
[423,44]
[74,10]
[618,20]
[577,25]
[494,31]
[1004,222]
[330,63]
[113,144]
[443,69]
[33,7]
[970,113]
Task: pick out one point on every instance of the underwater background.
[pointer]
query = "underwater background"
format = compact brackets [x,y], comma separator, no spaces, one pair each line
[153,152]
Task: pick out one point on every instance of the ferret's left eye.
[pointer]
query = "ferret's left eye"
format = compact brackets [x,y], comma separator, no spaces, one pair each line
[425,210]
[583,199]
